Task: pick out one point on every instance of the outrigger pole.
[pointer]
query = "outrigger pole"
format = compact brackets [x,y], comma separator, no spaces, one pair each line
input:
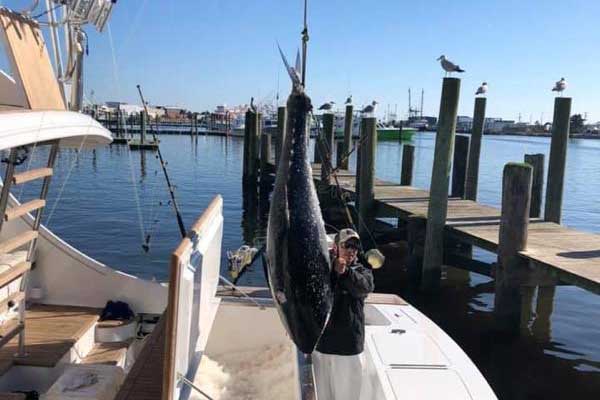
[164,168]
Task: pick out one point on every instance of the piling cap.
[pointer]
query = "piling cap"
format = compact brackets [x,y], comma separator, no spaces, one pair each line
[346,234]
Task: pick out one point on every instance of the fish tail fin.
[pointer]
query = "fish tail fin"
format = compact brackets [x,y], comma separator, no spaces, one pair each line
[291,71]
[298,61]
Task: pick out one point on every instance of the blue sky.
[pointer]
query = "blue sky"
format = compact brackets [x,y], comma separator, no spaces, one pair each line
[199,54]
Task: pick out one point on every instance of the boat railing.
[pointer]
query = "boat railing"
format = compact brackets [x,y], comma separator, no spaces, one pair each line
[193,281]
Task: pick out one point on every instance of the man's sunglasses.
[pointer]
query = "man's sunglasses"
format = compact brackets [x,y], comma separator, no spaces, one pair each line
[350,245]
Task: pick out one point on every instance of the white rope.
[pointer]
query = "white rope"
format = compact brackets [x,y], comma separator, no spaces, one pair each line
[137,197]
[69,171]
[133,179]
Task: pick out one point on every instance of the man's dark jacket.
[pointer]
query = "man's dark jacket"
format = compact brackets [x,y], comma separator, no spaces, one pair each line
[345,331]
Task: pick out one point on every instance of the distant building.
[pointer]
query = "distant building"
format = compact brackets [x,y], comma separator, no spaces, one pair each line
[464,123]
[174,112]
[497,125]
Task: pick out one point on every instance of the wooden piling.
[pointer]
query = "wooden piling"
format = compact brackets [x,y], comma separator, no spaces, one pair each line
[348,122]
[408,160]
[265,156]
[438,196]
[537,183]
[558,158]
[359,143]
[514,221]
[475,149]
[339,153]
[459,166]
[143,119]
[416,231]
[367,175]
[281,125]
[327,149]
[251,138]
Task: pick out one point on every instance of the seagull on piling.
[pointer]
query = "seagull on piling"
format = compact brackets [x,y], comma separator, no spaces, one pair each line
[481,89]
[370,108]
[448,65]
[327,106]
[252,106]
[349,100]
[559,86]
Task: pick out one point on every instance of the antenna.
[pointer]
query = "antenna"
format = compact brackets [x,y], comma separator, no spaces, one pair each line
[304,45]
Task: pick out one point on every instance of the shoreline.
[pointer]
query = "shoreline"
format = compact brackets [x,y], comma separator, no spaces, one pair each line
[543,135]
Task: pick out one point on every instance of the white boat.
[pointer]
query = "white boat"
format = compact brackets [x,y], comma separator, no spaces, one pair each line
[174,340]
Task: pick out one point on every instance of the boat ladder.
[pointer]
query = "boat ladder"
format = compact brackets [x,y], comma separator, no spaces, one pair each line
[29,237]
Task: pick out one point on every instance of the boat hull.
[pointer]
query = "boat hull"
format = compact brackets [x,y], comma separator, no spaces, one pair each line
[395,134]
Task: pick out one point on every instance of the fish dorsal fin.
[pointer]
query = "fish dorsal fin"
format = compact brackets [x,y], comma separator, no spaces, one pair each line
[293,73]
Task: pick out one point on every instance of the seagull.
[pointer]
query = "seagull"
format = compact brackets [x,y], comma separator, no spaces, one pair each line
[560,86]
[370,108]
[449,66]
[327,106]
[349,100]
[252,106]
[481,89]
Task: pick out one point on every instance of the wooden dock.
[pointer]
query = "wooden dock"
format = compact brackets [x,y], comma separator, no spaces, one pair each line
[441,226]
[567,254]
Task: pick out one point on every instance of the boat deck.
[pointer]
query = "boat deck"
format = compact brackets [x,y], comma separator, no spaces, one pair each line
[570,255]
[50,332]
[145,380]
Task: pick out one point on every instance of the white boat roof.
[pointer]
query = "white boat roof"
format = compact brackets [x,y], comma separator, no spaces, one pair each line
[25,127]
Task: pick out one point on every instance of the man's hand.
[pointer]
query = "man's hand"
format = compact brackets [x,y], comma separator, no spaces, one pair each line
[340,265]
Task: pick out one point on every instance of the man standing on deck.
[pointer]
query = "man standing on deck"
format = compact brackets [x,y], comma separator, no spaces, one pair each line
[338,360]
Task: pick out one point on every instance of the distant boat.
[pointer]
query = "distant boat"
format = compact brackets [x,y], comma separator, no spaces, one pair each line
[419,124]
[394,133]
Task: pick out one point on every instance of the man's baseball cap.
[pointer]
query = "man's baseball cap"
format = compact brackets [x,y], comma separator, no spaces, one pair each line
[346,234]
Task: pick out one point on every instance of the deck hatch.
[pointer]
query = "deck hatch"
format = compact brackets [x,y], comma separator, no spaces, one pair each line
[419,384]
[408,348]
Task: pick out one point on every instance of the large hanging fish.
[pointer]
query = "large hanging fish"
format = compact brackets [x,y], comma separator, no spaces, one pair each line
[297,255]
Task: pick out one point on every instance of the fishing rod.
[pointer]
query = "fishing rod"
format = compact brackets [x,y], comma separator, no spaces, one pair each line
[164,168]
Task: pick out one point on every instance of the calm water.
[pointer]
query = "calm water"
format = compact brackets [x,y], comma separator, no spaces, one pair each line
[114,198]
